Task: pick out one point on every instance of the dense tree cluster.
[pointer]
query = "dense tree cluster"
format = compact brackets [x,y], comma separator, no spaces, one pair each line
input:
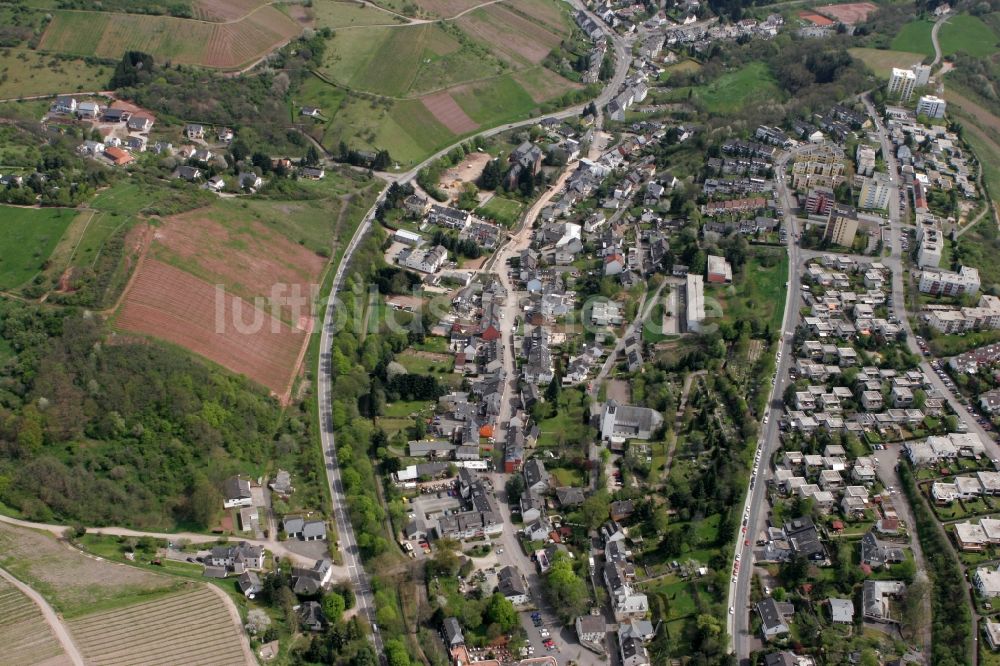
[128,434]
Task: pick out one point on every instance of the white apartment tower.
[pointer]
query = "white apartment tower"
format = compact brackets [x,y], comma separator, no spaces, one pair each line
[902,83]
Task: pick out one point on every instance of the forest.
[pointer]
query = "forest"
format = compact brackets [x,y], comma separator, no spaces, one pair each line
[105,431]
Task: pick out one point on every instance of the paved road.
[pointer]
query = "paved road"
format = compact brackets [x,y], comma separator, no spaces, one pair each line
[755,506]
[324,373]
[52,619]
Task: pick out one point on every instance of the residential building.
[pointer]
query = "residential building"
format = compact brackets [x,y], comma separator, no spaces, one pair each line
[297,527]
[992,631]
[841,611]
[949,283]
[901,83]
[841,226]
[774,617]
[875,191]
[237,558]
[510,583]
[424,261]
[591,629]
[875,597]
[820,201]
[987,581]
[236,493]
[931,106]
[452,632]
[865,160]
[718,271]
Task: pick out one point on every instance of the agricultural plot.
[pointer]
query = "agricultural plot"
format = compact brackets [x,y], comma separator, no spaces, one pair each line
[543,84]
[27,73]
[217,45]
[514,37]
[345,14]
[27,238]
[192,627]
[174,306]
[25,637]
[221,245]
[494,102]
[224,10]
[71,582]
[881,62]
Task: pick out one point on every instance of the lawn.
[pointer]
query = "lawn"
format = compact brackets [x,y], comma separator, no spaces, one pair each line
[736,90]
[424,363]
[567,477]
[567,426]
[677,596]
[915,37]
[758,293]
[28,73]
[501,210]
[27,238]
[683,67]
[881,61]
[968,34]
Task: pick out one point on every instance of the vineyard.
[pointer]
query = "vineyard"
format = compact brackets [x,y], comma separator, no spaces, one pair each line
[192,627]
[25,637]
[218,45]
[172,305]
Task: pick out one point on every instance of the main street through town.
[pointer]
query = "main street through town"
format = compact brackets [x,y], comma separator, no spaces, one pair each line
[512,553]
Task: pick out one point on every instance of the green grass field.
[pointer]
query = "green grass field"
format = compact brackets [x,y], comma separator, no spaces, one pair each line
[915,37]
[881,61]
[502,210]
[968,34]
[496,102]
[341,13]
[760,293]
[735,90]
[27,73]
[27,238]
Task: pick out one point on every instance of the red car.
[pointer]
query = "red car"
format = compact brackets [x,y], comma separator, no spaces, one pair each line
[746,542]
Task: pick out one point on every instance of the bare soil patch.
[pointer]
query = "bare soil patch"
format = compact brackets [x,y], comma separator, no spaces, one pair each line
[447,112]
[619,390]
[467,171]
[248,258]
[172,305]
[848,14]
[511,33]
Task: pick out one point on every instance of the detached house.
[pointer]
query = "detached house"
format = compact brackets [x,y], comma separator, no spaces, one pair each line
[297,527]
[236,493]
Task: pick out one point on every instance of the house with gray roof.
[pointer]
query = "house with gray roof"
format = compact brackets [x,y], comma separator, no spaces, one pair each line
[236,492]
[841,611]
[297,527]
[774,617]
[452,632]
[535,477]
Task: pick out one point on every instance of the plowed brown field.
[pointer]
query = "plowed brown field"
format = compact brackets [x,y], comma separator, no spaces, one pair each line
[172,305]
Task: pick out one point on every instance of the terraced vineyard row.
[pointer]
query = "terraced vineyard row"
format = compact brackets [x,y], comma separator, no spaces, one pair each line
[189,628]
[25,637]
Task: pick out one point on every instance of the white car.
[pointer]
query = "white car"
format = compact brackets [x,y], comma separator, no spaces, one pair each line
[732,610]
